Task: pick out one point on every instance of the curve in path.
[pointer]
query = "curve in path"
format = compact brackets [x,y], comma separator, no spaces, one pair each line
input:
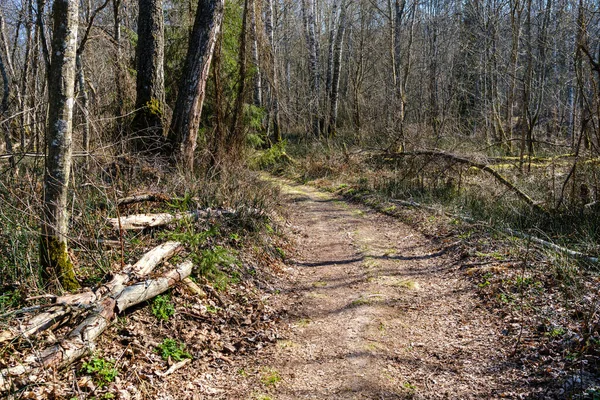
[377,311]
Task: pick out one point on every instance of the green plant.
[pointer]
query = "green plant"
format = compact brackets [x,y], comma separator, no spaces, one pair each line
[485,280]
[273,158]
[173,349]
[270,377]
[9,299]
[556,332]
[188,236]
[280,252]
[162,307]
[104,371]
[212,309]
[209,262]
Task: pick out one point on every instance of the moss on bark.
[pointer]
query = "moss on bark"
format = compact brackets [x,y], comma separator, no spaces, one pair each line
[56,263]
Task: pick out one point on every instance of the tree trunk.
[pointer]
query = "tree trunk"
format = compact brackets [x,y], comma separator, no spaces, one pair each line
[84,107]
[183,132]
[147,126]
[337,69]
[236,132]
[119,74]
[24,118]
[274,89]
[4,111]
[54,255]
[258,100]
[313,64]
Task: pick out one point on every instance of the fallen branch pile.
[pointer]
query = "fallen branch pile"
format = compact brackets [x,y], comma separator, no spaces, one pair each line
[101,306]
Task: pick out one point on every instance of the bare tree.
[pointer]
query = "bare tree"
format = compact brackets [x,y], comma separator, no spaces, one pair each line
[337,69]
[183,132]
[308,12]
[54,254]
[147,126]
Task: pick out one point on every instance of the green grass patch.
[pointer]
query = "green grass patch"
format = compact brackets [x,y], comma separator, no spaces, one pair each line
[162,307]
[270,377]
[102,370]
[171,348]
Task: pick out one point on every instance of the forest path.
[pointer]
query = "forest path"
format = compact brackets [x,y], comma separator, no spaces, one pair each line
[377,311]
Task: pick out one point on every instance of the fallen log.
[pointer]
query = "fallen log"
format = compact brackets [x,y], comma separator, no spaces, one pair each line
[510,232]
[550,245]
[65,304]
[140,198]
[142,291]
[81,340]
[138,222]
[483,167]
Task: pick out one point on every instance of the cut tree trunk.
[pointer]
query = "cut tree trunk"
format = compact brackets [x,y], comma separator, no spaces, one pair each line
[66,304]
[81,340]
[142,291]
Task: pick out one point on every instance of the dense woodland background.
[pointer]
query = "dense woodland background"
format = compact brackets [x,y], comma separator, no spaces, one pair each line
[483,113]
[413,99]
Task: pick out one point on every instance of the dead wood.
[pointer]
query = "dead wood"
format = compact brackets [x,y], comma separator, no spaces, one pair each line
[511,232]
[173,368]
[140,198]
[550,245]
[81,340]
[144,221]
[65,304]
[140,292]
[483,167]
[193,288]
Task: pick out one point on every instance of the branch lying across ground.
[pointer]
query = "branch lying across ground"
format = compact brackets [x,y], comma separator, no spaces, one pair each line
[144,221]
[511,232]
[66,304]
[81,340]
[550,245]
[139,198]
[486,168]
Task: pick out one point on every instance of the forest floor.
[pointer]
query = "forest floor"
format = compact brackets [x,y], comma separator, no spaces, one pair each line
[375,310]
[366,306]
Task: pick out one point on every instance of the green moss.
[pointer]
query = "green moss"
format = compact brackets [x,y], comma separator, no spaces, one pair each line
[154,107]
[56,263]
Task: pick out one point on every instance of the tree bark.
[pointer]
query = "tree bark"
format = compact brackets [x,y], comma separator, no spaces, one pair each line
[183,132]
[313,65]
[274,81]
[337,70]
[118,71]
[4,111]
[147,126]
[236,132]
[54,255]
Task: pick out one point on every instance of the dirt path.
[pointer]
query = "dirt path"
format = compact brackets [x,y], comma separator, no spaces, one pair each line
[378,312]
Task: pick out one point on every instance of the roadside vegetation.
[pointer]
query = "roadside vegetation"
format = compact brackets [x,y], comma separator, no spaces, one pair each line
[546,297]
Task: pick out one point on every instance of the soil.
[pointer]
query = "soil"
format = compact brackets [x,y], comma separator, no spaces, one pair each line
[375,310]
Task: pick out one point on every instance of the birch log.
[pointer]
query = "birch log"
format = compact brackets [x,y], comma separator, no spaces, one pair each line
[66,304]
[140,292]
[81,340]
